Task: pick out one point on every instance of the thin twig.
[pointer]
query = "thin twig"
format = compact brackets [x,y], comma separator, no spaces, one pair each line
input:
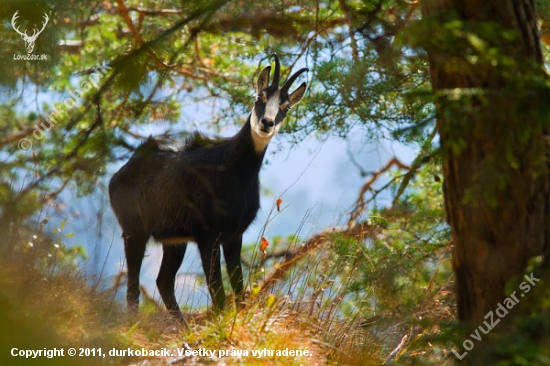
[148,297]
[420,158]
[16,136]
[360,202]
[155,12]
[344,8]
[403,340]
[124,13]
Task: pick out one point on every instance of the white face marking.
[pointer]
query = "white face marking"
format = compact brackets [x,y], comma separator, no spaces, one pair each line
[272,107]
[262,138]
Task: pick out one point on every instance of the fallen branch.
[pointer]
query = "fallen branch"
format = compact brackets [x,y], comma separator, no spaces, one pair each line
[359,232]
[360,203]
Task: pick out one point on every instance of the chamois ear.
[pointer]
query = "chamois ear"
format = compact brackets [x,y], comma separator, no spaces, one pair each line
[296,96]
[263,79]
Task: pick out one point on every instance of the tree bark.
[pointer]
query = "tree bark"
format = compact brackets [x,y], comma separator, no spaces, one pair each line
[495,157]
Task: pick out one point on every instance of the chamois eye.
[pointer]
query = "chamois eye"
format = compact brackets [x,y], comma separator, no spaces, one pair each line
[284,108]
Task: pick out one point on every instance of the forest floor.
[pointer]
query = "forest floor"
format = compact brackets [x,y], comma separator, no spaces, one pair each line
[59,310]
[47,304]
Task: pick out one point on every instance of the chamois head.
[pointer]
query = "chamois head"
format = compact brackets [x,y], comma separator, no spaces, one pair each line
[272,104]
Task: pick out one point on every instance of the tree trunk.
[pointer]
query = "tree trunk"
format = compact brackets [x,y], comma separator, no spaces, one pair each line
[493,143]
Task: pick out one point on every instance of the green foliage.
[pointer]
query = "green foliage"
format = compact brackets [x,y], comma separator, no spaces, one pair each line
[395,282]
[112,72]
[104,80]
[403,278]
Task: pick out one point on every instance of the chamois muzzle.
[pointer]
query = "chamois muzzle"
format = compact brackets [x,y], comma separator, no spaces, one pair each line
[267,125]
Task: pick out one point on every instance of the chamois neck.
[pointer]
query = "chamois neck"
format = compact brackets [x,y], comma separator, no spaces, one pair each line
[252,141]
[260,142]
[242,154]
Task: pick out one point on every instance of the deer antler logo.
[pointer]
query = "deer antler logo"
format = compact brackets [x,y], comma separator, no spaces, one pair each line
[29,40]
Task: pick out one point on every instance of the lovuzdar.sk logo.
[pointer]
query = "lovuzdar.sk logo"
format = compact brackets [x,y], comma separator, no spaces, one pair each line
[29,39]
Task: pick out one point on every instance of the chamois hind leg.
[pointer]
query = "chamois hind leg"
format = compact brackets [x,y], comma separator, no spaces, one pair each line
[232,255]
[210,256]
[172,257]
[134,247]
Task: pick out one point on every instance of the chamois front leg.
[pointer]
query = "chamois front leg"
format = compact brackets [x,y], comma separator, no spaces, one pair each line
[232,255]
[134,246]
[172,257]
[210,256]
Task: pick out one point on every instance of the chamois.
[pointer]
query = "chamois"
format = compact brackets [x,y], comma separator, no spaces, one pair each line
[206,192]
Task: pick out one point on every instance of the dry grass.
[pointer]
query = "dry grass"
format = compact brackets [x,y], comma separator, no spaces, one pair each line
[306,308]
[42,308]
[47,308]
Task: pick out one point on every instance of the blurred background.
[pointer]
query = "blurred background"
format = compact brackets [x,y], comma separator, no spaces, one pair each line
[357,158]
